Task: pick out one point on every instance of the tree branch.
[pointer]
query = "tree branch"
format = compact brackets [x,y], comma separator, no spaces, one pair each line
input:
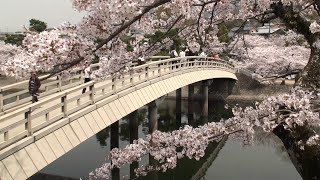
[113,35]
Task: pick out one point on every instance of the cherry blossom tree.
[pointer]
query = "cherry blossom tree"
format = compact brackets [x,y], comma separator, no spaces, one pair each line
[271,56]
[69,45]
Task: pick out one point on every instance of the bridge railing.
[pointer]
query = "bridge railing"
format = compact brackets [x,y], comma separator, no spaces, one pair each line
[29,119]
[17,94]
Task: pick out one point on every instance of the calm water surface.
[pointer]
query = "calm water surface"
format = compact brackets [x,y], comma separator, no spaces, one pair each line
[265,160]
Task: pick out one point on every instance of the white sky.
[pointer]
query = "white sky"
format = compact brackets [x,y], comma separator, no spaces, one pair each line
[16,13]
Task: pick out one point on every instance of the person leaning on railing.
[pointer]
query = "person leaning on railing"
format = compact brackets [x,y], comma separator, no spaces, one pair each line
[34,85]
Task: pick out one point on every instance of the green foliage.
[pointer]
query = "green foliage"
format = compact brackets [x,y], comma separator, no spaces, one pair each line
[15,39]
[102,136]
[173,34]
[37,25]
[127,40]
[223,34]
[163,52]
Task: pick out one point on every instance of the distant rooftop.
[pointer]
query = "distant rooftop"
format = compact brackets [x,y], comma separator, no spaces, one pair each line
[266,29]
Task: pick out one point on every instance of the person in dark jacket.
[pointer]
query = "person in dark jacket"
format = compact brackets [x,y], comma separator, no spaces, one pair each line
[34,85]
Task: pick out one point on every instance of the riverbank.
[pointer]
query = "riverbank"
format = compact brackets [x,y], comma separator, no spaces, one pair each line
[4,80]
[238,94]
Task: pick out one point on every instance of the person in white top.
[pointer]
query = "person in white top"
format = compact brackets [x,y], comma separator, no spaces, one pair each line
[87,74]
[182,54]
[141,60]
[203,54]
[173,53]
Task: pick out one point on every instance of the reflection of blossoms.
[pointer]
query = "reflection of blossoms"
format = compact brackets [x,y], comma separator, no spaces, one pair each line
[289,110]
[168,147]
[314,140]
[314,27]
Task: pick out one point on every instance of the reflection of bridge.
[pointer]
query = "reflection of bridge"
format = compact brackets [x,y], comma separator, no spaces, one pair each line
[205,166]
[34,135]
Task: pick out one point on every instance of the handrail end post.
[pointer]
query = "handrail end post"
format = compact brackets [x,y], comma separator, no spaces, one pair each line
[1,101]
[91,87]
[29,123]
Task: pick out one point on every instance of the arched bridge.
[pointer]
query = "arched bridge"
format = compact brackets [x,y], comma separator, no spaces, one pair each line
[34,135]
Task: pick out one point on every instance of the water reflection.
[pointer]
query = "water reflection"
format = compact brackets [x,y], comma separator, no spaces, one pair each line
[305,160]
[224,160]
[102,136]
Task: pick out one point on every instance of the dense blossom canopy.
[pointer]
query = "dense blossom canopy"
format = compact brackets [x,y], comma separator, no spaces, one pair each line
[269,56]
[98,34]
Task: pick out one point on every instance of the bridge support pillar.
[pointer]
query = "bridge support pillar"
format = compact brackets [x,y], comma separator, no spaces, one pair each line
[191,104]
[114,143]
[133,126]
[152,116]
[178,108]
[114,136]
[222,87]
[205,104]
[153,174]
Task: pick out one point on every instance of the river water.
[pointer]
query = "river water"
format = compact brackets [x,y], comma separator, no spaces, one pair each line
[265,160]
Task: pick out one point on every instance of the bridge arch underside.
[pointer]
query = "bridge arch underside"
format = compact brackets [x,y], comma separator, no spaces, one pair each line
[45,146]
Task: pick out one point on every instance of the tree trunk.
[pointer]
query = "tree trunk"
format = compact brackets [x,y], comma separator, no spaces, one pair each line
[310,76]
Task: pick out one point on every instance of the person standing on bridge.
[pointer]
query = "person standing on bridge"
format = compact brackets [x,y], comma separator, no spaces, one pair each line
[87,74]
[34,85]
[173,54]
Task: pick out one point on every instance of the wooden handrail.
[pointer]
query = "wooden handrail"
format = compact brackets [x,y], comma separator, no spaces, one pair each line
[57,84]
[62,103]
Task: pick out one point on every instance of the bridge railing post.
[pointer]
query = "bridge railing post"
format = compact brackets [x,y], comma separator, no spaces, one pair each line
[81,75]
[1,101]
[114,86]
[180,64]
[91,87]
[147,72]
[59,82]
[28,125]
[131,77]
[159,69]
[64,106]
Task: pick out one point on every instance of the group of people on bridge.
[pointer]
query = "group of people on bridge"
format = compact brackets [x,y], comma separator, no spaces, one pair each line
[186,52]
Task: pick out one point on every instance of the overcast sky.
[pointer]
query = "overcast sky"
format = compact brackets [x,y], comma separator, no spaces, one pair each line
[16,13]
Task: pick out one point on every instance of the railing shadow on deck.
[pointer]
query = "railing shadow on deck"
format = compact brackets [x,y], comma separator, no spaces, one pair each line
[25,121]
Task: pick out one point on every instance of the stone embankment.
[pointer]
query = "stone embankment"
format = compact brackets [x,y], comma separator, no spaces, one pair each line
[250,89]
[245,89]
